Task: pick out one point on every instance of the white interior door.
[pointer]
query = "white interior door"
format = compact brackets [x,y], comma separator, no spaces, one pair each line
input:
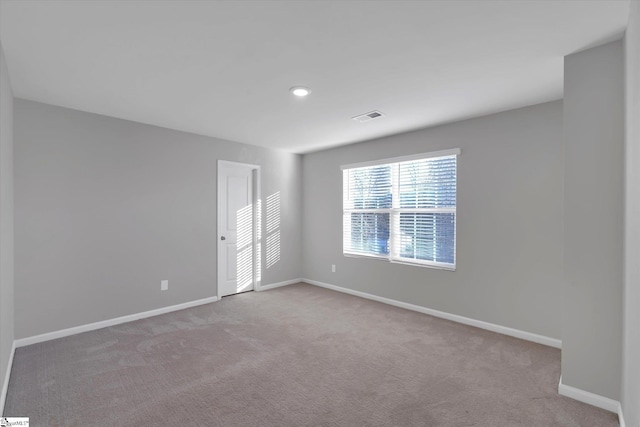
[236,228]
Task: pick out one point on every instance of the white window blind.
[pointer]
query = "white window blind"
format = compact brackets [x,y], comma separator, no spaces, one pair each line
[403,211]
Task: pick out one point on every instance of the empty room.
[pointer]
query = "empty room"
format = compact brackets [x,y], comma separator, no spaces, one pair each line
[320,213]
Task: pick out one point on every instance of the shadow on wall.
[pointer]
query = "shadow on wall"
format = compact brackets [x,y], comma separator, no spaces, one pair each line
[273,229]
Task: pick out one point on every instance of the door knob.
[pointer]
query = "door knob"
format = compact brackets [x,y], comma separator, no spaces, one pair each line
[223,238]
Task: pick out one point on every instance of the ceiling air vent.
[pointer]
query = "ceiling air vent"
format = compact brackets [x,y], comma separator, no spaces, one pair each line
[368,116]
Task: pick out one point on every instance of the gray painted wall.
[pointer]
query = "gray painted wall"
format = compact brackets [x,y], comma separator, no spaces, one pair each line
[631,367]
[510,221]
[593,237]
[106,208]
[6,218]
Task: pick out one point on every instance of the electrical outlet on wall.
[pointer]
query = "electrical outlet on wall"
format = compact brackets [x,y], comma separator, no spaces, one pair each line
[333,268]
[164,285]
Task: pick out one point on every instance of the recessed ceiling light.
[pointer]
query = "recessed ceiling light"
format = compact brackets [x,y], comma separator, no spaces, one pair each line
[300,91]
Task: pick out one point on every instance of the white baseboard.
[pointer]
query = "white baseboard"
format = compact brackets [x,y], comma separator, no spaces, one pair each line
[279,284]
[5,385]
[130,318]
[110,322]
[621,416]
[528,336]
[591,399]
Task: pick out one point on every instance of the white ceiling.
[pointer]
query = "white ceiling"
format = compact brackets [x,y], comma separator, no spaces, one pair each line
[223,69]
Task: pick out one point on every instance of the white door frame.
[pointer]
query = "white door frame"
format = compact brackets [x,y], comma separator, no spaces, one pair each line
[257,222]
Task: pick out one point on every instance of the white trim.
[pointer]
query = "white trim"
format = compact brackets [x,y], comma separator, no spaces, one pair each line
[279,284]
[422,263]
[591,399]
[257,227]
[401,210]
[5,385]
[110,322]
[395,212]
[230,163]
[404,261]
[441,153]
[528,336]
[621,416]
[366,256]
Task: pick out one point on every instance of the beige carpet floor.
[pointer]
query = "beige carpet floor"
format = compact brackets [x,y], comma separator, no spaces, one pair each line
[293,356]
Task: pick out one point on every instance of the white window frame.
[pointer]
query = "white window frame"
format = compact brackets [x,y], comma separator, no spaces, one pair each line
[395,210]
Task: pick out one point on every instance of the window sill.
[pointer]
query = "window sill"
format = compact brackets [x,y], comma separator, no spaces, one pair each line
[394,261]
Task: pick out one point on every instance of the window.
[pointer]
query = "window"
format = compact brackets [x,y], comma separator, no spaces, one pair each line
[402,210]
